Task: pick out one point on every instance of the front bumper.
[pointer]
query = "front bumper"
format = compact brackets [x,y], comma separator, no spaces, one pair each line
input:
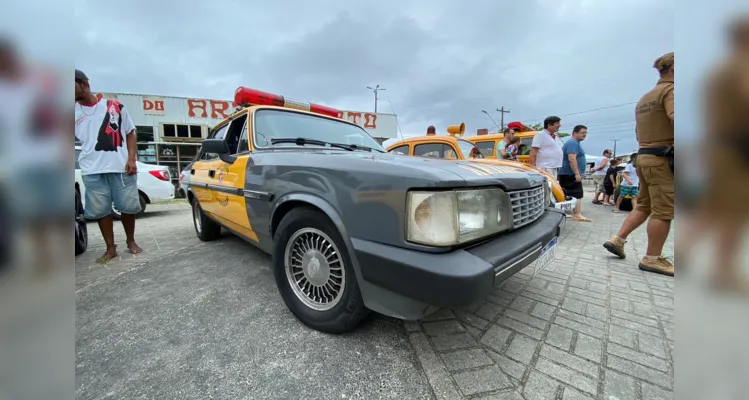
[453,279]
[567,206]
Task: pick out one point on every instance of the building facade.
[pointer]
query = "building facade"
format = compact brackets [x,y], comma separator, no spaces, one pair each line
[171,129]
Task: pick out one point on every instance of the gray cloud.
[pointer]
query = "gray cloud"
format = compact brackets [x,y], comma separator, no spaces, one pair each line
[442,62]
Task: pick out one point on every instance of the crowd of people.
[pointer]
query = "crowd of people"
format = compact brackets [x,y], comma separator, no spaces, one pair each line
[647,180]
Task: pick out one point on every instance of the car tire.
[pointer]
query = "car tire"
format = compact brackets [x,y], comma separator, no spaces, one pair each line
[335,280]
[142,199]
[81,229]
[206,228]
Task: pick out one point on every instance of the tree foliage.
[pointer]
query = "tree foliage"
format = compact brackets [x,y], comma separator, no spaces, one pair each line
[539,127]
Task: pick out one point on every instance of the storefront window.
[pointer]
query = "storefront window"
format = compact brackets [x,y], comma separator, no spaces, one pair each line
[144,133]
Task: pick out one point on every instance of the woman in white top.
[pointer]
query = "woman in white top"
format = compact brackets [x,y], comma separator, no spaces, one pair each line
[599,173]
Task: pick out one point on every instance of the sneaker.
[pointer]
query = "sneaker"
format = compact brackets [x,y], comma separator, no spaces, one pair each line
[615,246]
[658,265]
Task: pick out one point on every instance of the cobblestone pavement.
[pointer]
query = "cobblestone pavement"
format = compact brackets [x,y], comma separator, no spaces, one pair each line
[590,326]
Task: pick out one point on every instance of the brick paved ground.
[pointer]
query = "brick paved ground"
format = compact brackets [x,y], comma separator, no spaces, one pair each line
[588,327]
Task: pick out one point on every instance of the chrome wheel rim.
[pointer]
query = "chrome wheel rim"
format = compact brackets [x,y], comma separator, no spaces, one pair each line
[314,269]
[196,217]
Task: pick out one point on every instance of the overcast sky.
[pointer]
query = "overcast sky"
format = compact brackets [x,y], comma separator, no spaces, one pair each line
[442,61]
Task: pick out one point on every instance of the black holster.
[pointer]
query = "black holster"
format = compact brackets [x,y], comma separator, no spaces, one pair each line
[667,152]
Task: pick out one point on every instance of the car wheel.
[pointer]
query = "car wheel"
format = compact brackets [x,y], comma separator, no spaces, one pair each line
[116,214]
[206,228]
[313,272]
[81,229]
[142,199]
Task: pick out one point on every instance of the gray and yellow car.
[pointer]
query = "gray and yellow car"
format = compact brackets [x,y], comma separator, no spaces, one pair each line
[352,228]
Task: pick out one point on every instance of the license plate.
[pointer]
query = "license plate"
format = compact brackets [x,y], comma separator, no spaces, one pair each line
[567,207]
[548,254]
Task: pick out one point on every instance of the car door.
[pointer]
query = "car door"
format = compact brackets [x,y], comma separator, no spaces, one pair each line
[226,181]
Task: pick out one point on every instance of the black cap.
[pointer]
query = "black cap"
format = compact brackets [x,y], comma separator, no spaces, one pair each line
[80,76]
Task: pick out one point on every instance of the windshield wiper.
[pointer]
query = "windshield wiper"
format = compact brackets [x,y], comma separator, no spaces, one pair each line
[300,141]
[360,147]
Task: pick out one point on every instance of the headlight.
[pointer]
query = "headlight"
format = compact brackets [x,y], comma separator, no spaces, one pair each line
[548,195]
[453,217]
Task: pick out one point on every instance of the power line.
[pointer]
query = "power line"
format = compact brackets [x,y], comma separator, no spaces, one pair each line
[580,112]
[397,124]
[490,117]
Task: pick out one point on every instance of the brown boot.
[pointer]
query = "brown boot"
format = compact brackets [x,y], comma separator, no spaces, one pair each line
[615,246]
[659,265]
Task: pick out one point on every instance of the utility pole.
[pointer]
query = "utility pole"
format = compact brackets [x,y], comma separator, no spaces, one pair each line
[615,140]
[375,90]
[502,112]
[495,122]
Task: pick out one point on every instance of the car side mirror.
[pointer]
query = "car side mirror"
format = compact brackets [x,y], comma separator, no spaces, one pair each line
[220,147]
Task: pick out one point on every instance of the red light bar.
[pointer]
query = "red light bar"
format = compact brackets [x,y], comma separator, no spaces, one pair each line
[244,96]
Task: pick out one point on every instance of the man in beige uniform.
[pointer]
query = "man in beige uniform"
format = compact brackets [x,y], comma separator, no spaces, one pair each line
[654,116]
[723,207]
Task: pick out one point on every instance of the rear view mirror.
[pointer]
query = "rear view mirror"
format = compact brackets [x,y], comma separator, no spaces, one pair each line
[215,146]
[220,147]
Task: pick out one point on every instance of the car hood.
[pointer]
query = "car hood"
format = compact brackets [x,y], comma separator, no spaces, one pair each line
[422,171]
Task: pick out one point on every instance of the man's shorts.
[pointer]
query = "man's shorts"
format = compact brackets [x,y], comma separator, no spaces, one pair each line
[104,189]
[598,183]
[656,187]
[571,187]
[629,191]
[552,171]
[608,189]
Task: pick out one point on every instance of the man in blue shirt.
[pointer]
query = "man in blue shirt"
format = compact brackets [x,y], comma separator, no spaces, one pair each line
[573,167]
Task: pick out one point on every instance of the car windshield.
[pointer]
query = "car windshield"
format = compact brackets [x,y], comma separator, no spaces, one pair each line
[278,124]
[467,147]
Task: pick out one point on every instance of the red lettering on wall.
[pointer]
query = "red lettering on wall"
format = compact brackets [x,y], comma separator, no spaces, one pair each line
[340,114]
[219,108]
[158,105]
[354,117]
[147,105]
[193,104]
[370,121]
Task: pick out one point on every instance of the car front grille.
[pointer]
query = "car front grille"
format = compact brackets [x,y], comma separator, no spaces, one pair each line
[527,205]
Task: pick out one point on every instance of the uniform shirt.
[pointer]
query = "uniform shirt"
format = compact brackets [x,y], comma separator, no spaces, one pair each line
[572,147]
[549,152]
[632,175]
[101,128]
[727,99]
[654,116]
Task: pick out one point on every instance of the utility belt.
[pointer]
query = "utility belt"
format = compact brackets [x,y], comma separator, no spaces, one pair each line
[667,152]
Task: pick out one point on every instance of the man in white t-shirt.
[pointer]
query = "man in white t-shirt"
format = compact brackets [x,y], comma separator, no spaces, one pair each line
[107,160]
[546,152]
[599,174]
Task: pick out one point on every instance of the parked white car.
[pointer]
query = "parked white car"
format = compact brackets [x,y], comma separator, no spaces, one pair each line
[154,184]
[184,180]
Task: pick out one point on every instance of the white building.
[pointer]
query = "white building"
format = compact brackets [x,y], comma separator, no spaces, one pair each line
[170,129]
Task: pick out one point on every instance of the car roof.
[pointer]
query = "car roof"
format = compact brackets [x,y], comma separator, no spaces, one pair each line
[426,139]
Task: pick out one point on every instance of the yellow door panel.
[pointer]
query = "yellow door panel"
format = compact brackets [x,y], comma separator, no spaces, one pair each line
[223,199]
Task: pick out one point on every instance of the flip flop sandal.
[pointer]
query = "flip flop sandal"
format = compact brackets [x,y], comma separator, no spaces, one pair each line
[577,219]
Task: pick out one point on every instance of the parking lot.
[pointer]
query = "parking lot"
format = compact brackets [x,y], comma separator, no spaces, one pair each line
[195,320]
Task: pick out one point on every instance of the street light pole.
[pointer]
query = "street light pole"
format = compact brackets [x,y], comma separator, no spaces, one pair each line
[375,90]
[495,122]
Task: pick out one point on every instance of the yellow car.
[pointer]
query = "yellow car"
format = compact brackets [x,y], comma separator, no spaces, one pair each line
[487,144]
[454,147]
